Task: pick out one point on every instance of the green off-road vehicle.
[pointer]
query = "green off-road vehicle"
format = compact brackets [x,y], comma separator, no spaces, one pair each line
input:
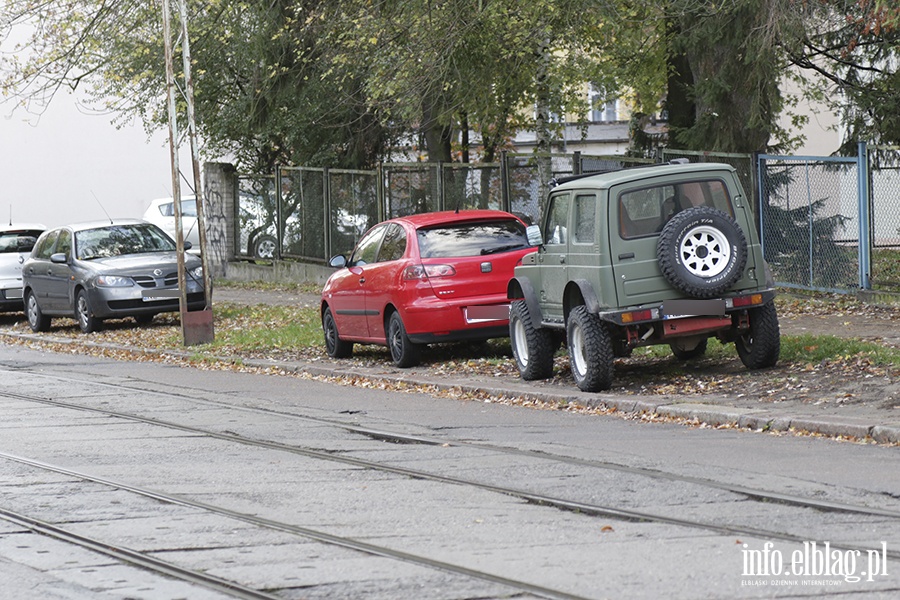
[666,254]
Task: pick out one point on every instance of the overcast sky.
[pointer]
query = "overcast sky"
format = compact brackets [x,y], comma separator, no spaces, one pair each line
[61,167]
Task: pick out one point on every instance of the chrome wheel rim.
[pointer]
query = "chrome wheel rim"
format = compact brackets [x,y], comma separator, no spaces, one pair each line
[705,252]
[32,310]
[83,310]
[579,361]
[330,333]
[521,344]
[395,342]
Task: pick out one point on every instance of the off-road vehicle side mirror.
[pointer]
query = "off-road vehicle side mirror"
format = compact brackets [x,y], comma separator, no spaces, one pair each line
[533,233]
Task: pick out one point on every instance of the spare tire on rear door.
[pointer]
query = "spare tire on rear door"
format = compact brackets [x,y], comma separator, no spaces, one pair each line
[702,251]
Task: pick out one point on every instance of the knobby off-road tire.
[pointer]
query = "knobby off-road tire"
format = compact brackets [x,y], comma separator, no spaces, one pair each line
[84,315]
[702,252]
[404,352]
[335,347]
[760,346]
[590,351]
[36,319]
[532,348]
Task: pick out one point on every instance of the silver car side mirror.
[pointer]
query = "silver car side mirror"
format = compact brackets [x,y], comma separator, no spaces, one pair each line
[533,233]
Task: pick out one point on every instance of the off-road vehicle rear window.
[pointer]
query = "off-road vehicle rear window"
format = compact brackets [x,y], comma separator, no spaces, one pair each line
[644,212]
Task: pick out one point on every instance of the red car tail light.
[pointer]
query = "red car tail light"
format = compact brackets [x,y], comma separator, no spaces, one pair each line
[428,271]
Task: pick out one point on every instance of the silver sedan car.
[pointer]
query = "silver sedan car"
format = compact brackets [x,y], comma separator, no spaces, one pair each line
[16,242]
[102,270]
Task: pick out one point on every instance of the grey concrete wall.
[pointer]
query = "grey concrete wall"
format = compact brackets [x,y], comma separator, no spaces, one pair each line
[280,271]
[219,190]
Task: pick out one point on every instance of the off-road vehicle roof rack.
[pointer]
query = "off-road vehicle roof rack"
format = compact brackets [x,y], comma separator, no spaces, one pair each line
[561,180]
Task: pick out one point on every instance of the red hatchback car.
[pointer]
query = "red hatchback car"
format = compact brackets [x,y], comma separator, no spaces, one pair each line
[422,279]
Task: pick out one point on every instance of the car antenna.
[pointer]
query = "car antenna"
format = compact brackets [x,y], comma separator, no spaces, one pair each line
[101,207]
[10,215]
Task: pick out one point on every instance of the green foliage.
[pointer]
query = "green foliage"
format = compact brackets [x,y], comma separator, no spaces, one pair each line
[886,269]
[814,349]
[727,67]
[848,51]
[342,82]
[452,64]
[338,82]
[267,328]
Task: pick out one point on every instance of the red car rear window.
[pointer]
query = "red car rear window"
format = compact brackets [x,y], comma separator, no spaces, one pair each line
[472,239]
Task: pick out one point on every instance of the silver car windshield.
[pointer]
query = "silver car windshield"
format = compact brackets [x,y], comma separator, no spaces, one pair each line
[116,240]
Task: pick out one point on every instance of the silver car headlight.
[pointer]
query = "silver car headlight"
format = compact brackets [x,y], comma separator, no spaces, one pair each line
[196,273]
[113,281]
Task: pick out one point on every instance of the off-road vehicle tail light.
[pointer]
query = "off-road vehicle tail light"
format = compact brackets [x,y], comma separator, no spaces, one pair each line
[751,300]
[638,315]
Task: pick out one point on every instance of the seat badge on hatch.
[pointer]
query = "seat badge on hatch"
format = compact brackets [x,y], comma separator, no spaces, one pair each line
[486,267]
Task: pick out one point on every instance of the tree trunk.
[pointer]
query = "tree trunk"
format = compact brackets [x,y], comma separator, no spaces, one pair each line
[437,135]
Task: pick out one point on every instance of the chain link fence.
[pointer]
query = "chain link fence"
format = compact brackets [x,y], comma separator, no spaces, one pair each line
[528,180]
[315,213]
[302,212]
[884,170]
[352,207]
[470,185]
[256,211]
[810,221]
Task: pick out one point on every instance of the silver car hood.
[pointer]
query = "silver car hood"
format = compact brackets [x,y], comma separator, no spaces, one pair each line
[140,263]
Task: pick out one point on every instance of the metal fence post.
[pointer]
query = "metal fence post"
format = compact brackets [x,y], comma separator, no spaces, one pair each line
[279,214]
[326,216]
[439,170]
[381,209]
[760,169]
[754,185]
[505,202]
[862,178]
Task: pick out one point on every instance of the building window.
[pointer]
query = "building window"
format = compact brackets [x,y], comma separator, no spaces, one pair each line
[602,112]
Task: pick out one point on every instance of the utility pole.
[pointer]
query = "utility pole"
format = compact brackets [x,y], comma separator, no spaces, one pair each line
[196,326]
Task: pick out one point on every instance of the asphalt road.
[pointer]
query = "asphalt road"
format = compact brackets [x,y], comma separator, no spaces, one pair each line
[285,487]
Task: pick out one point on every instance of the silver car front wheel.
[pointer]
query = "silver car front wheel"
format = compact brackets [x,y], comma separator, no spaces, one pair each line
[86,320]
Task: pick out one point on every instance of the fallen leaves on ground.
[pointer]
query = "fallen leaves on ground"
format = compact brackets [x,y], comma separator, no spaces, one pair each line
[842,380]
